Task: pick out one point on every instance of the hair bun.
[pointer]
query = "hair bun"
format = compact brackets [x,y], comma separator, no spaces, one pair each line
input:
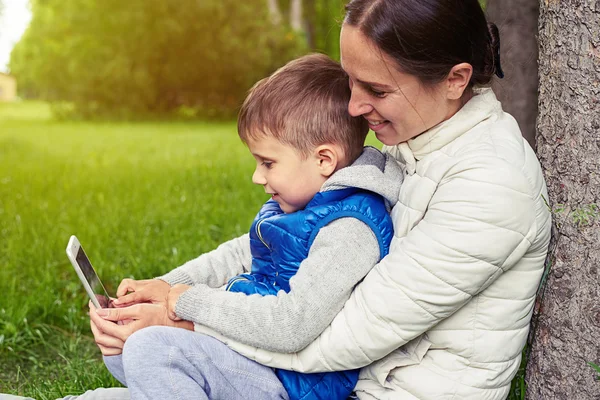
[495,44]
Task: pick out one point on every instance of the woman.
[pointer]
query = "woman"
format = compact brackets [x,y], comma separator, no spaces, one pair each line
[446,314]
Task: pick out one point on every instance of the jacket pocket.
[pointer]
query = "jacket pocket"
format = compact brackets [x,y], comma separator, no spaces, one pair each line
[410,354]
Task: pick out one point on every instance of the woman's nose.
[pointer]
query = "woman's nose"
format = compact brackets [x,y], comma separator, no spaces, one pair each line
[358,104]
[258,178]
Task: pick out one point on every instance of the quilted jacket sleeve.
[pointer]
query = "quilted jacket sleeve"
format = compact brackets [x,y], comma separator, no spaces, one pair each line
[479,222]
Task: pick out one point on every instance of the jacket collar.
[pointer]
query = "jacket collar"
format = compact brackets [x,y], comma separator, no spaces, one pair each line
[482,106]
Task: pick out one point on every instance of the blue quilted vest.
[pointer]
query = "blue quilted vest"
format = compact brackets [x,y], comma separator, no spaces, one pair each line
[279,242]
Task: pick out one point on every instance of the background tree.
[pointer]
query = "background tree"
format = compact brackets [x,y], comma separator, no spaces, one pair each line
[318,20]
[296,15]
[274,11]
[149,57]
[566,330]
[518,24]
[323,19]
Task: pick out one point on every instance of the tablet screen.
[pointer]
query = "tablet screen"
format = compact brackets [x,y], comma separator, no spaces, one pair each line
[92,278]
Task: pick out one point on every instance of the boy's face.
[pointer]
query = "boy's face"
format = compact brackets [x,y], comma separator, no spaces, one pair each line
[291,180]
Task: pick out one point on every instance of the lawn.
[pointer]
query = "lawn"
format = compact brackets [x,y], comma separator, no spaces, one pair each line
[141,197]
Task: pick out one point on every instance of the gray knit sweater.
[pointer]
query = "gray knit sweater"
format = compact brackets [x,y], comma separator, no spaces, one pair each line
[342,254]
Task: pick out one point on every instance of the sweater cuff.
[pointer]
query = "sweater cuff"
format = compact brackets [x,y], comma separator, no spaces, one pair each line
[189,304]
[175,277]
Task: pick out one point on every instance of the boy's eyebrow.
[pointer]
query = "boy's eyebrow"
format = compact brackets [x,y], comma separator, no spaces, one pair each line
[259,155]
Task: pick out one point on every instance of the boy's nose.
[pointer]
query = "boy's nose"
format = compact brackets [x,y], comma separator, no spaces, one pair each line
[258,178]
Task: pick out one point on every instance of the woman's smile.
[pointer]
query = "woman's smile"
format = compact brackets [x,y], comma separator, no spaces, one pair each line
[377,125]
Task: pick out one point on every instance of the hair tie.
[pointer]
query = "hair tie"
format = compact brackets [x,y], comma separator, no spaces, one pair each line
[497,66]
[495,42]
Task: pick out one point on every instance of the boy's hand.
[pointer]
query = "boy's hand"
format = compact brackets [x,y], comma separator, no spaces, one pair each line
[132,292]
[172,298]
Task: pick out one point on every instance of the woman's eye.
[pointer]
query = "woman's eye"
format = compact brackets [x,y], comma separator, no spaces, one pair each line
[376,93]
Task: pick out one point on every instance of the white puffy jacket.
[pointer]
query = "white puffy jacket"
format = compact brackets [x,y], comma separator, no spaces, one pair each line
[446,314]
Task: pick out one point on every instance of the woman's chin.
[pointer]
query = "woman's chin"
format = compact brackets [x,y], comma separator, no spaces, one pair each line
[387,137]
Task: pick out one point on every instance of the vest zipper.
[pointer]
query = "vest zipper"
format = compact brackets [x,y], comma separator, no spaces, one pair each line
[263,242]
[259,234]
[230,284]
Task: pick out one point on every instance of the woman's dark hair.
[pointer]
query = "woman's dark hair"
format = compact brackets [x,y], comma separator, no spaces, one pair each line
[427,38]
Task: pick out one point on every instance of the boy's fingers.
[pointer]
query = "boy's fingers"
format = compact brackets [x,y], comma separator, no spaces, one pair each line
[125,286]
[133,297]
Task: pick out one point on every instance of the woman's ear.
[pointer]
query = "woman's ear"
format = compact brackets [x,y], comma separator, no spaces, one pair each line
[328,157]
[458,80]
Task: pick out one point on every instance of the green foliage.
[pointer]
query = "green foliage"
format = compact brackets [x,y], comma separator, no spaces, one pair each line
[518,386]
[596,368]
[148,57]
[323,21]
[584,215]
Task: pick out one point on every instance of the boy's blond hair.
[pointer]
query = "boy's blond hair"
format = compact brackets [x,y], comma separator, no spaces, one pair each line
[304,104]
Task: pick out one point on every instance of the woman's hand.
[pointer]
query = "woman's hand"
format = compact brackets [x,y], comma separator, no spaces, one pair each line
[173,296]
[132,292]
[109,345]
[110,336]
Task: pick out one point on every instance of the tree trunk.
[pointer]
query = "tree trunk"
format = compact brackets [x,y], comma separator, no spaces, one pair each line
[518,24]
[296,15]
[274,11]
[311,30]
[565,333]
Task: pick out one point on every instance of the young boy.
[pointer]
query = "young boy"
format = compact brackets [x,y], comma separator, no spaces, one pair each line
[310,160]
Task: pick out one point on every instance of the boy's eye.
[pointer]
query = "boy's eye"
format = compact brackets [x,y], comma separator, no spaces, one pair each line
[267,164]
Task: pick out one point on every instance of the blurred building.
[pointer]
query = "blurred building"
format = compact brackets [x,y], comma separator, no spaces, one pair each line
[8,87]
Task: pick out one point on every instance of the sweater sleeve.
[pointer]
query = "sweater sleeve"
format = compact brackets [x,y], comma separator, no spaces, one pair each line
[479,223]
[214,268]
[342,253]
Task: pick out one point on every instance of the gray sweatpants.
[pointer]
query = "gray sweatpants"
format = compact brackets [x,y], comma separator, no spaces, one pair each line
[161,362]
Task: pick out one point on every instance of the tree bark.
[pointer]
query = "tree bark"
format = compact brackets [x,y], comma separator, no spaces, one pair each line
[565,333]
[296,15]
[517,21]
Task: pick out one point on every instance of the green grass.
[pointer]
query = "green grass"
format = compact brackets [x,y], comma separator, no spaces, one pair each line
[142,198]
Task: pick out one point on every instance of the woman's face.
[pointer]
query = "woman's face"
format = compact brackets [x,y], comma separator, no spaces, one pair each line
[397,106]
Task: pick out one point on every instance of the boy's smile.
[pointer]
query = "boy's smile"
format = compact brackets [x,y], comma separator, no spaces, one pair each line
[291,179]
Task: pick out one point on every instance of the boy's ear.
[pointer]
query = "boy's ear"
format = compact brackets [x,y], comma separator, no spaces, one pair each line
[458,80]
[328,157]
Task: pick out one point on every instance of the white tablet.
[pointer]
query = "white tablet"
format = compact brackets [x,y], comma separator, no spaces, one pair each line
[88,276]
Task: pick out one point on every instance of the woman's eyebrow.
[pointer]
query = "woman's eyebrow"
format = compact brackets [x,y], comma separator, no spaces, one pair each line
[374,84]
